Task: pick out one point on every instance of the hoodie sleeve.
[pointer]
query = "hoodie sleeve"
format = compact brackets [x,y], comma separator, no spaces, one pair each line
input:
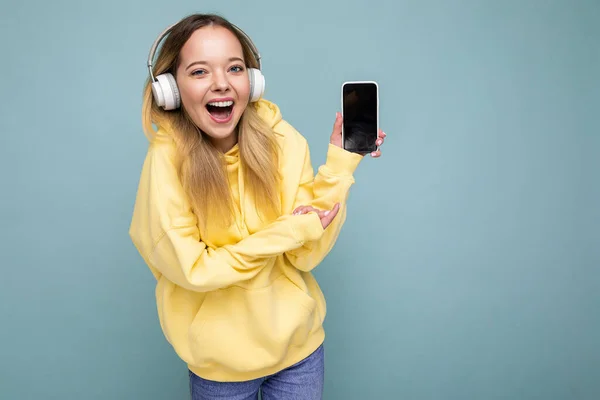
[331,185]
[164,231]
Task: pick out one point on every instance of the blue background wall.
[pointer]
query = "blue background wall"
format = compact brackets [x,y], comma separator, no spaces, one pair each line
[469,265]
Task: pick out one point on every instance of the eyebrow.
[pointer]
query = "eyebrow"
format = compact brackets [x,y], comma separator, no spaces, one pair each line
[205,63]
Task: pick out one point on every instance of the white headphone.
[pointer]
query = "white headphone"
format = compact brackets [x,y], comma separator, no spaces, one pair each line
[164,87]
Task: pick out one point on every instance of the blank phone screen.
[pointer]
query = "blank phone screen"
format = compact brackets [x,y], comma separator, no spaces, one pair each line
[360,117]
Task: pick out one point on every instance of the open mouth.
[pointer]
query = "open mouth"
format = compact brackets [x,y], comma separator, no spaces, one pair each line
[220,111]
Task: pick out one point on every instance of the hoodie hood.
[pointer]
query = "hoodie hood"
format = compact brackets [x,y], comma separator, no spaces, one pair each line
[269,112]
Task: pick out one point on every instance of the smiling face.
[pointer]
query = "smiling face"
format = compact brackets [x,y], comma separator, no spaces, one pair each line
[213,82]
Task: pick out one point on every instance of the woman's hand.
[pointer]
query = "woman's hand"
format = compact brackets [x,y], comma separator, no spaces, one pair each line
[336,136]
[326,216]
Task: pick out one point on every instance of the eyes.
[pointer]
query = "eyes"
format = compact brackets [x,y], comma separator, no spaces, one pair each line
[236,69]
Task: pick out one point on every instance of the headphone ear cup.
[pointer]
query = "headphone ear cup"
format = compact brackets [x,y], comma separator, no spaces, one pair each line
[165,92]
[257,84]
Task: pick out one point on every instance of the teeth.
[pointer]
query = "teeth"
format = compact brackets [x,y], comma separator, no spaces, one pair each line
[221,103]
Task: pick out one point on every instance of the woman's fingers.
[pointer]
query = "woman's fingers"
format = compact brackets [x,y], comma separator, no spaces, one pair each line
[304,210]
[328,216]
[380,139]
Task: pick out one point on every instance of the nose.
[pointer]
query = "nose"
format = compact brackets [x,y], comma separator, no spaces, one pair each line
[220,82]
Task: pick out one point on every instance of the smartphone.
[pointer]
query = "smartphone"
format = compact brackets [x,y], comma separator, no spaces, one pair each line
[360,113]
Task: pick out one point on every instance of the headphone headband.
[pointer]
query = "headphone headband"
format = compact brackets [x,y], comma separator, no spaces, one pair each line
[164,33]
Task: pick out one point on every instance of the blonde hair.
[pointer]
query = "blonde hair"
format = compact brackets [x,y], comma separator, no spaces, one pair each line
[201,166]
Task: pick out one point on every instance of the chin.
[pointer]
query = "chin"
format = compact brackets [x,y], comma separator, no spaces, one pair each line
[217,128]
[219,134]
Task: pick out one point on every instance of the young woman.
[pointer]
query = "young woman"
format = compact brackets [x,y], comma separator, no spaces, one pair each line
[231,220]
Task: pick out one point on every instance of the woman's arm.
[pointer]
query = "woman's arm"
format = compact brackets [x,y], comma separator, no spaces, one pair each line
[331,185]
[164,230]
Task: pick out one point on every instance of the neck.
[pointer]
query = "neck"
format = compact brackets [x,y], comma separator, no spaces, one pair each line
[226,144]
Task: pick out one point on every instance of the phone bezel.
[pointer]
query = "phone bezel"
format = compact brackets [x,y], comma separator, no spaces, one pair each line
[342,105]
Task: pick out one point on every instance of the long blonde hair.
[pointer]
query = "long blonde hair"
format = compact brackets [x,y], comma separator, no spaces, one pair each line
[201,166]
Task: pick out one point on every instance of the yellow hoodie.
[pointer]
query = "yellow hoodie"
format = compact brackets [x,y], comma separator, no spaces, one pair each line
[241,303]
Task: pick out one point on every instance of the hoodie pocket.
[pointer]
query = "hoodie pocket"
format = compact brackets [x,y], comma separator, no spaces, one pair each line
[247,330]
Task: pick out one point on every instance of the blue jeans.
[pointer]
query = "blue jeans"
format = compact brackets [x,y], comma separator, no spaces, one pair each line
[301,381]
